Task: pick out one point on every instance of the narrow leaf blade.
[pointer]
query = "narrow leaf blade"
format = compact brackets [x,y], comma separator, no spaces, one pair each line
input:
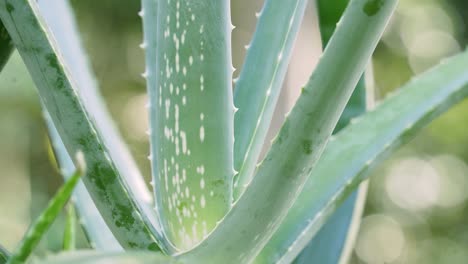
[45,220]
[98,233]
[69,234]
[363,145]
[4,255]
[256,94]
[60,18]
[107,187]
[328,246]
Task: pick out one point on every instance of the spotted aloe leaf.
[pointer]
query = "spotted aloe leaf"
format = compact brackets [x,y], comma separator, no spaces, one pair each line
[300,142]
[361,146]
[58,92]
[45,220]
[328,246]
[83,257]
[60,18]
[99,235]
[256,93]
[6,46]
[191,116]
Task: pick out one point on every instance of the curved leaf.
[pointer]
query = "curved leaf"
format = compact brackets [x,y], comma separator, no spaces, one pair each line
[361,146]
[328,245]
[255,94]
[110,192]
[45,220]
[259,211]
[99,235]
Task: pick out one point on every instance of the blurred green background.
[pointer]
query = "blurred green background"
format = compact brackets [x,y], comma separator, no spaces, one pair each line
[416,209]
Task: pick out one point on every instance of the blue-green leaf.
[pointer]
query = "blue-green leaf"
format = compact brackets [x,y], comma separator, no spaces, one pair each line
[327,247]
[191,116]
[259,211]
[112,195]
[99,235]
[361,146]
[260,81]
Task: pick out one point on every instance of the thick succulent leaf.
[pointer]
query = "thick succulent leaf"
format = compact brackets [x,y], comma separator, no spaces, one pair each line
[83,257]
[59,17]
[110,192]
[4,255]
[191,117]
[260,81]
[45,220]
[99,235]
[361,146]
[6,46]
[259,211]
[148,14]
[328,245]
[61,21]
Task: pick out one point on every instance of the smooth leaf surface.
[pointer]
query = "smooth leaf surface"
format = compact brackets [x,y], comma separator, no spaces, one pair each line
[191,117]
[69,234]
[361,146]
[327,247]
[259,211]
[45,220]
[109,191]
[256,94]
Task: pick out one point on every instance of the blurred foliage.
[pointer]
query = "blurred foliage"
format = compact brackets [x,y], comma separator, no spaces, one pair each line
[417,206]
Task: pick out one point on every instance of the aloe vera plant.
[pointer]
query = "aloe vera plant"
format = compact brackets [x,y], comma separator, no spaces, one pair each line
[215,200]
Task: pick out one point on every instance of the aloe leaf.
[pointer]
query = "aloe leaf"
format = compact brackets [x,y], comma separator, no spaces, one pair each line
[84,256]
[61,21]
[69,234]
[6,46]
[329,243]
[149,14]
[110,192]
[363,145]
[99,235]
[256,94]
[59,17]
[300,142]
[45,220]
[191,117]
[4,255]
